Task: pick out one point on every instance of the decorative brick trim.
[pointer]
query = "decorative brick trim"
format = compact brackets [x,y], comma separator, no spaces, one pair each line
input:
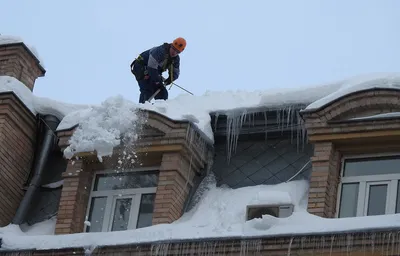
[74,198]
[332,118]
[324,180]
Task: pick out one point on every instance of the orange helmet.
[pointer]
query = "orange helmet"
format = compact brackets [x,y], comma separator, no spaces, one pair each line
[179,44]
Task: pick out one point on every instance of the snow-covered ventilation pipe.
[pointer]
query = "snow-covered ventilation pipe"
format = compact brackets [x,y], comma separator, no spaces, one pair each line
[45,141]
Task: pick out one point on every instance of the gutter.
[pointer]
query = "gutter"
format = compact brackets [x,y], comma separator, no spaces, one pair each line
[45,142]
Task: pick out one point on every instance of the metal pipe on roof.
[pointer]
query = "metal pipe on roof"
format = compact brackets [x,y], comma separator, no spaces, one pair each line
[49,125]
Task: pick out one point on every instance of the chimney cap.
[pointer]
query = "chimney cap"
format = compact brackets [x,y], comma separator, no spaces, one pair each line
[17,41]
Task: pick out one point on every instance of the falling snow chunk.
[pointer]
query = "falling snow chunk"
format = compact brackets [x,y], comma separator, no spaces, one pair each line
[103,128]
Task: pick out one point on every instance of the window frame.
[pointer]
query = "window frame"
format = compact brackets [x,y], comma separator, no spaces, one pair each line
[363,191]
[113,195]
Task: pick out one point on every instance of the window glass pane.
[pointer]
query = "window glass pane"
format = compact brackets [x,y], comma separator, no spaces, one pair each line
[146,210]
[127,180]
[96,214]
[348,200]
[372,166]
[377,200]
[398,198]
[121,214]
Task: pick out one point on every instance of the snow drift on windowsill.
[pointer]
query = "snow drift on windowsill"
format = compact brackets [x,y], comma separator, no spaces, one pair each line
[4,39]
[225,210]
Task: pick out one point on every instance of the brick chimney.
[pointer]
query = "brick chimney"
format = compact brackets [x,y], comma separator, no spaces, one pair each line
[18,61]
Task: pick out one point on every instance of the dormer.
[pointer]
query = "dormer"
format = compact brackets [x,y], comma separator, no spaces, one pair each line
[19,61]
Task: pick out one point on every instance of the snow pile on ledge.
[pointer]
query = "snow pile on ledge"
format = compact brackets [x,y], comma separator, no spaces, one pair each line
[225,209]
[5,39]
[37,104]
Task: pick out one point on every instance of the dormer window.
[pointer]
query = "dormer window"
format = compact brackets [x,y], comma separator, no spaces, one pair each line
[369,186]
[123,200]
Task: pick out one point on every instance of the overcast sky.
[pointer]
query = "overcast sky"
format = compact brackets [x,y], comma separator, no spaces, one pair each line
[88,45]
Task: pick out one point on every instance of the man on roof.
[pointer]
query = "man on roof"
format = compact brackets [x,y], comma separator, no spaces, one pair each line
[150,64]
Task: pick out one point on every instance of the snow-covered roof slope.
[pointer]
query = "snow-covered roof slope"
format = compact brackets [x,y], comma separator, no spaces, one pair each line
[197,109]
[113,116]
[225,209]
[5,39]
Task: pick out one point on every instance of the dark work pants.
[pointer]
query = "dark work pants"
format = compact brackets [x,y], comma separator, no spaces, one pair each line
[147,90]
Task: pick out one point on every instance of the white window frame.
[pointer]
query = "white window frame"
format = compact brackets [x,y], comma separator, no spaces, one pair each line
[365,181]
[113,195]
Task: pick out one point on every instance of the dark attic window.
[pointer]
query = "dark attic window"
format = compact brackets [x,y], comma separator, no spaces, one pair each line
[278,211]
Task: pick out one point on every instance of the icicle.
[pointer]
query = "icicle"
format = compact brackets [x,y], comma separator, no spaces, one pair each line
[290,246]
[282,119]
[292,126]
[233,127]
[266,125]
[216,121]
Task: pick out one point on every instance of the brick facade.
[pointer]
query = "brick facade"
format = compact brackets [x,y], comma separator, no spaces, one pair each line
[335,133]
[173,188]
[17,128]
[17,144]
[74,198]
[324,180]
[16,60]
[176,147]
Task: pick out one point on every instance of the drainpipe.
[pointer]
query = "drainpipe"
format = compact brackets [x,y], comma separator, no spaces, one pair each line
[45,146]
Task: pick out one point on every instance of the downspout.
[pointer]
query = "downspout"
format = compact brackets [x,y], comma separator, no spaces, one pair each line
[45,146]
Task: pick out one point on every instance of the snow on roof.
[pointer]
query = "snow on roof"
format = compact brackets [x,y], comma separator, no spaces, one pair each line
[225,209]
[197,109]
[359,83]
[5,39]
[34,103]
[100,126]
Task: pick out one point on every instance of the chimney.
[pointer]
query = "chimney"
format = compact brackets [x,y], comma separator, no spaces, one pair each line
[19,61]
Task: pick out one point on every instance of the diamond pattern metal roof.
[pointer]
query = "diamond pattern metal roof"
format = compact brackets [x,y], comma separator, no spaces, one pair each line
[261,162]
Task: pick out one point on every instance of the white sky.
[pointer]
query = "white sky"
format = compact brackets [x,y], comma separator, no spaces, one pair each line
[87,46]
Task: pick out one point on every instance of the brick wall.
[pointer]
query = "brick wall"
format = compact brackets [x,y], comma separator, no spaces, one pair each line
[17,138]
[324,180]
[74,198]
[334,135]
[173,188]
[17,61]
[17,128]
